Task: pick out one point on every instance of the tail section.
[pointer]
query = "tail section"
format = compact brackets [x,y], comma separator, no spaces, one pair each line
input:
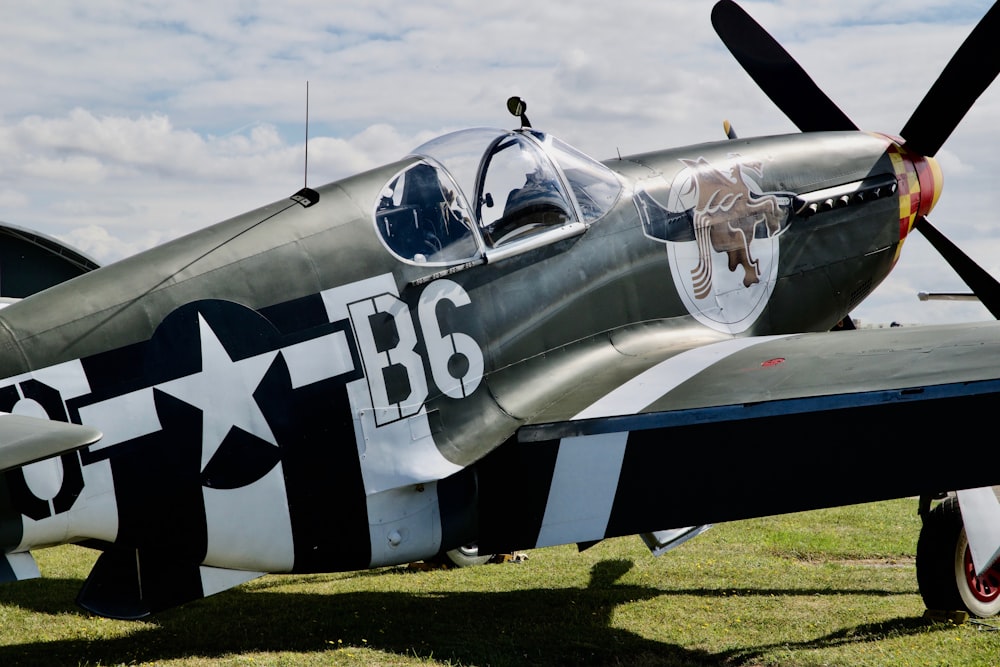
[31,262]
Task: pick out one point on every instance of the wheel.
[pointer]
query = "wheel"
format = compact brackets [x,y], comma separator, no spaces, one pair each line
[945,574]
[981,594]
[465,556]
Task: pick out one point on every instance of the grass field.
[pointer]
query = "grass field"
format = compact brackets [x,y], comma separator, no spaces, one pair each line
[833,587]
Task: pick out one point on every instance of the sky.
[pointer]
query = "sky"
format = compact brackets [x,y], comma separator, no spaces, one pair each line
[124,124]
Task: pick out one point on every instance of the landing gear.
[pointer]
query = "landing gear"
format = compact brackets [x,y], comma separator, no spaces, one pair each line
[464,556]
[945,574]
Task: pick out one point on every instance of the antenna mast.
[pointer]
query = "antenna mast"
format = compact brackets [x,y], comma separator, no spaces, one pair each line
[305,181]
[306,197]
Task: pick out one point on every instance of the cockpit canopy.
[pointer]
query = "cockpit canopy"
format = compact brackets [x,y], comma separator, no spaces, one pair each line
[523,183]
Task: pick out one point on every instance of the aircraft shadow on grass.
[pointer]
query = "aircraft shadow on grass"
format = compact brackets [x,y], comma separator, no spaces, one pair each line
[536,626]
[859,634]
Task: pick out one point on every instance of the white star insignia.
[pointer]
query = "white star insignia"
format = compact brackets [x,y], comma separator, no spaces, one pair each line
[223,390]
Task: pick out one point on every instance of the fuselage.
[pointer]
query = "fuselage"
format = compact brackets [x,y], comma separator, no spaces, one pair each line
[281,391]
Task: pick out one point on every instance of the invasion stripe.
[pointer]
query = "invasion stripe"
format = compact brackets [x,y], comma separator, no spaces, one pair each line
[587,470]
[650,385]
[584,484]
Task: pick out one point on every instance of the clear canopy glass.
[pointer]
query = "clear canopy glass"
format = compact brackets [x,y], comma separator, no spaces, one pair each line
[485,188]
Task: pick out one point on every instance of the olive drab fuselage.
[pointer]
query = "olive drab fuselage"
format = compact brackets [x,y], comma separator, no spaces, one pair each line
[284,391]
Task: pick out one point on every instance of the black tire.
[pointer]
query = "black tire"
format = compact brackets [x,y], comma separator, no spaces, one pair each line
[465,556]
[943,563]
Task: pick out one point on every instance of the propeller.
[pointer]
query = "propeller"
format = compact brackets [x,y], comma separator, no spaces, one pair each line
[776,73]
[969,72]
[982,284]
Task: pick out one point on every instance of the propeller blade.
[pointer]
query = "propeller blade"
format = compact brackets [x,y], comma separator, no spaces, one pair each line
[969,72]
[982,284]
[777,73]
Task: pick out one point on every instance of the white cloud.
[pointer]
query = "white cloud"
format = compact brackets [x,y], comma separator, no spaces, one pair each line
[98,243]
[11,198]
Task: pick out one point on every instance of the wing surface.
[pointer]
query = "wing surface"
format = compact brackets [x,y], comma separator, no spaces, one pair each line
[752,427]
[756,374]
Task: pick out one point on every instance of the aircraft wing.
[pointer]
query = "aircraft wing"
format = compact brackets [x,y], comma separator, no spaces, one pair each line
[752,427]
[25,439]
[758,373]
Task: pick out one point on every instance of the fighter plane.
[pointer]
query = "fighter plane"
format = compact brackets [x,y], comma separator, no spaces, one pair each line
[498,342]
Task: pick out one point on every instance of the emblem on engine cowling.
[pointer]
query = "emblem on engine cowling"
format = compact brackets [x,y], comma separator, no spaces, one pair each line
[721,232]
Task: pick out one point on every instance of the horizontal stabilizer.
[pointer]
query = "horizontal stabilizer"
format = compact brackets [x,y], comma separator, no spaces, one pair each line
[18,567]
[981,516]
[130,584]
[24,440]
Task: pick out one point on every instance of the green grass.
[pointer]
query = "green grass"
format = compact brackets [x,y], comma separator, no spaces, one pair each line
[833,587]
